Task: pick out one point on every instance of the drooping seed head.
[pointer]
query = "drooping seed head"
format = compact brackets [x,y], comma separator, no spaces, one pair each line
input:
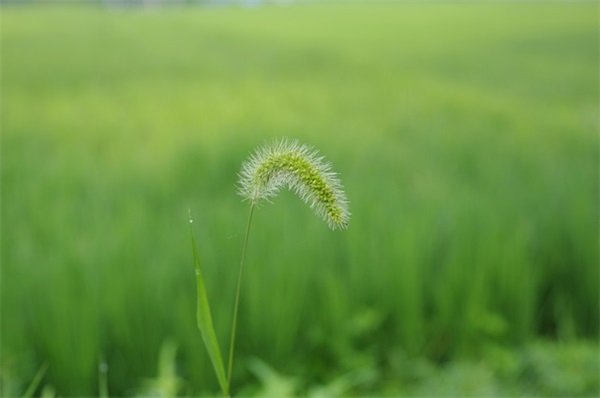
[303,171]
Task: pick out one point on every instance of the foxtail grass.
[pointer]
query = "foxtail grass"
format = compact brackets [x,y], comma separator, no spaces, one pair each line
[280,164]
[301,169]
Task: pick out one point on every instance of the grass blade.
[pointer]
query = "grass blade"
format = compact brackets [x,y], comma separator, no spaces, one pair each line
[205,323]
[36,381]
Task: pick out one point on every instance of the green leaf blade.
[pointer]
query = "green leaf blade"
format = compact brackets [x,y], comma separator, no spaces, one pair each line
[205,324]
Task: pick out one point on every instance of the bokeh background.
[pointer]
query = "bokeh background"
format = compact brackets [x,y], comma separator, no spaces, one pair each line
[467,139]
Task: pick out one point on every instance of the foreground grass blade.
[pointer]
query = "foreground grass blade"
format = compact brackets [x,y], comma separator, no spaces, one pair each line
[205,323]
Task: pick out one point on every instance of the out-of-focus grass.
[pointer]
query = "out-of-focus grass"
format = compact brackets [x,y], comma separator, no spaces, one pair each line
[465,136]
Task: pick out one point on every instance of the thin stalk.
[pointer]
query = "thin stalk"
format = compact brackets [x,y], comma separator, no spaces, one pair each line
[237,298]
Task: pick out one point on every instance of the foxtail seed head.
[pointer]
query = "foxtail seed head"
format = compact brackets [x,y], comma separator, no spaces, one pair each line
[303,171]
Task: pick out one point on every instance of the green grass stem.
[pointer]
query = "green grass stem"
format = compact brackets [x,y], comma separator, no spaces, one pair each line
[237,298]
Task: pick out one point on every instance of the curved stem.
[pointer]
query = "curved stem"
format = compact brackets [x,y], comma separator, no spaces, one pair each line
[237,300]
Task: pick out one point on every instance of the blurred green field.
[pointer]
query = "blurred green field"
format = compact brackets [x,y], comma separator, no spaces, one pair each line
[465,134]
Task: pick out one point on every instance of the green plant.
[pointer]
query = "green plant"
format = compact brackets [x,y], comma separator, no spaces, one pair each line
[280,164]
[475,179]
[36,381]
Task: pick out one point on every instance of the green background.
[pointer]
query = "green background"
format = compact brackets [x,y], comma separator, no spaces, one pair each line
[465,136]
